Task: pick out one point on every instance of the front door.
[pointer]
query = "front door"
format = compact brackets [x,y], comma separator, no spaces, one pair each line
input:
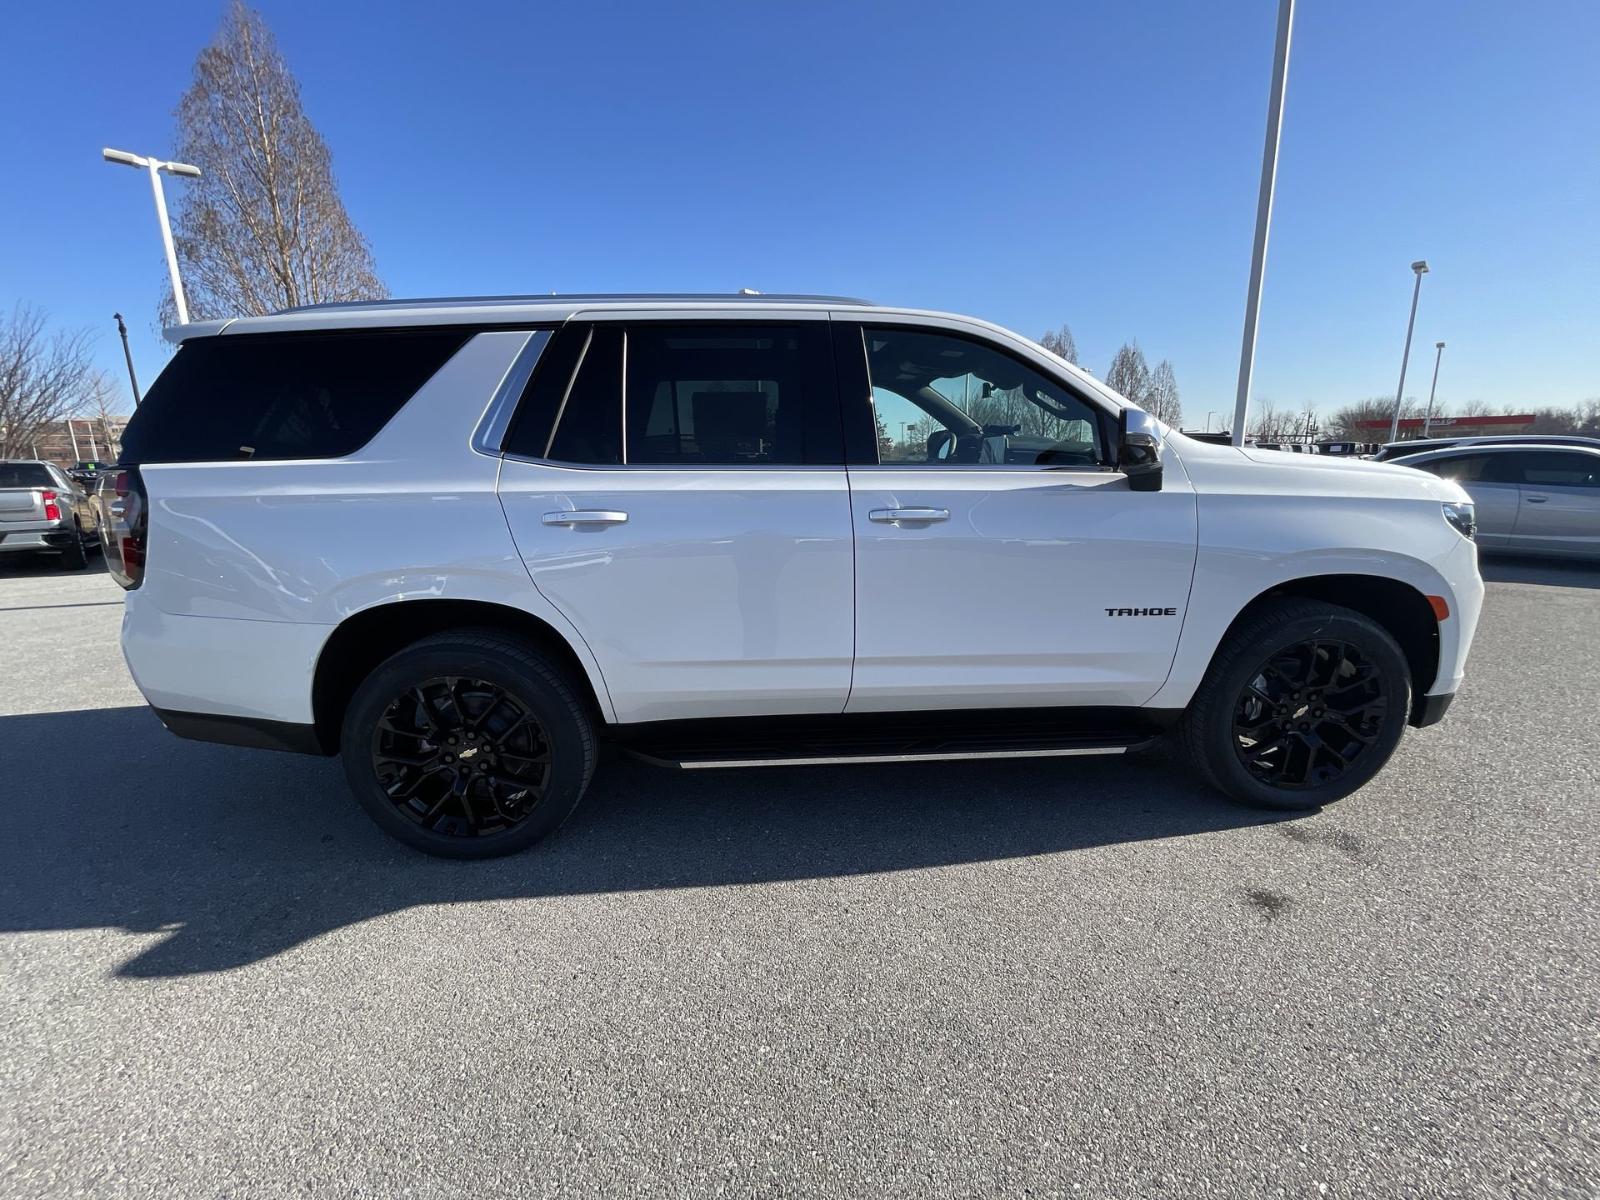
[999,560]
[679,495]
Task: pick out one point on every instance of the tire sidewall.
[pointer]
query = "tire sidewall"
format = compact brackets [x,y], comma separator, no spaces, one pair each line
[1217,721]
[565,727]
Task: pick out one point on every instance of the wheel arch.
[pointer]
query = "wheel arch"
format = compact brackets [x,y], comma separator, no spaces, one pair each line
[367,638]
[1398,607]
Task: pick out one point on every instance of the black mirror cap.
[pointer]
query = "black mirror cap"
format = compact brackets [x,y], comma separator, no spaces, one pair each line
[1139,450]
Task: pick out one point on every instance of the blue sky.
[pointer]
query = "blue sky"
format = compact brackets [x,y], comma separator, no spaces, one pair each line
[1030,163]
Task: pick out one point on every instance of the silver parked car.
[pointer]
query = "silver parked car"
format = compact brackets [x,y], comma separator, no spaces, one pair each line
[42,508]
[1530,499]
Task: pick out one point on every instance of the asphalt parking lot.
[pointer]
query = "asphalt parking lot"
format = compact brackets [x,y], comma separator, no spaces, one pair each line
[1048,978]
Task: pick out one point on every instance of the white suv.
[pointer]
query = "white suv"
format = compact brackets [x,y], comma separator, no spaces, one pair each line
[462,542]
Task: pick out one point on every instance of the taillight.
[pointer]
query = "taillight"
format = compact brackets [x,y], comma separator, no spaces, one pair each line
[123,526]
[52,510]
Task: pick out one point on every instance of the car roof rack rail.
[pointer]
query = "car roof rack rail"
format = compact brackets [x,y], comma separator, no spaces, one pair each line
[577,297]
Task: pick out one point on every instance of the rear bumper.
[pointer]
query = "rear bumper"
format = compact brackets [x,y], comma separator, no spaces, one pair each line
[38,539]
[253,732]
[222,667]
[1430,710]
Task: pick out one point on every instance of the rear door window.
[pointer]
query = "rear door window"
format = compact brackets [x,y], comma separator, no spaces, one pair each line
[731,395]
[712,393]
[282,396]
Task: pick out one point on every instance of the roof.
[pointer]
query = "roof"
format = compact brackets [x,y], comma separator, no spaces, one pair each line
[1497,448]
[454,310]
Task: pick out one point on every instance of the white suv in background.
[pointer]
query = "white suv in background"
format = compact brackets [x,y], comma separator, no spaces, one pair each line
[460,542]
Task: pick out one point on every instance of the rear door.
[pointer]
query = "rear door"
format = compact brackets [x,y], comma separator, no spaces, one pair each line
[1559,505]
[677,490]
[1000,562]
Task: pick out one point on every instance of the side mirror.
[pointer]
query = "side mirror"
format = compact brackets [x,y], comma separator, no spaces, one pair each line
[1139,450]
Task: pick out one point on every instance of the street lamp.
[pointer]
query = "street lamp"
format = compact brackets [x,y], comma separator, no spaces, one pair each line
[1269,183]
[1428,416]
[156,166]
[1421,269]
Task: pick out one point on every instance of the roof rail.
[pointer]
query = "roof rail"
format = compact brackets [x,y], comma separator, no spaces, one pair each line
[576,297]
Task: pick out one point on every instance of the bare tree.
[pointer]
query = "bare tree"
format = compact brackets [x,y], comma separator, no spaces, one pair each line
[263,227]
[1346,422]
[1129,373]
[1061,342]
[1161,400]
[43,379]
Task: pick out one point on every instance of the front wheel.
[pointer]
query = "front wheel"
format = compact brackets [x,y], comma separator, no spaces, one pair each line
[468,745]
[1303,704]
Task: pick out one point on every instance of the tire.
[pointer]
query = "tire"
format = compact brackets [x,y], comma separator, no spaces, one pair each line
[516,717]
[1267,725]
[74,557]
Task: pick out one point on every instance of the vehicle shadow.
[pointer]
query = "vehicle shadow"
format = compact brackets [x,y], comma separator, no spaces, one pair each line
[36,566]
[1552,572]
[239,855]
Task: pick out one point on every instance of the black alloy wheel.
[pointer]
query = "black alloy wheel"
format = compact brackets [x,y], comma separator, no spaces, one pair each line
[1304,702]
[461,757]
[1307,715]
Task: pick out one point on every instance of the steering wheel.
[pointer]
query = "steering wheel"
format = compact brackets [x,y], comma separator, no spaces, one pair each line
[941,445]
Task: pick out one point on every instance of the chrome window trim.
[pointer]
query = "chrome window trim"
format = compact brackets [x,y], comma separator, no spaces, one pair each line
[491,431]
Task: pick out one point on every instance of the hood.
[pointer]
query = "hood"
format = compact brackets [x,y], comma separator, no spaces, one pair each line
[1331,474]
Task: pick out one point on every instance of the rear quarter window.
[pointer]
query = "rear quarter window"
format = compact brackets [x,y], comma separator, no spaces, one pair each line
[281,396]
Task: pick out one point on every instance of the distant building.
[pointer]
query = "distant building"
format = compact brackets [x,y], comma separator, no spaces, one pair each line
[82,439]
[1484,426]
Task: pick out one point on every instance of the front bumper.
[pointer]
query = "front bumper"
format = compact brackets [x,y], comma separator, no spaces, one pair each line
[1430,710]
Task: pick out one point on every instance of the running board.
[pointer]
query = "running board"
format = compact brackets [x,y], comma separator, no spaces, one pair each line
[897,738]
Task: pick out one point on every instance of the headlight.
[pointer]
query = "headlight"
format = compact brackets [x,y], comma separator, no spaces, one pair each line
[1463,517]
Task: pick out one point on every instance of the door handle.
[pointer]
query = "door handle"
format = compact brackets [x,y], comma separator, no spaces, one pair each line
[1536,499]
[586,517]
[893,516]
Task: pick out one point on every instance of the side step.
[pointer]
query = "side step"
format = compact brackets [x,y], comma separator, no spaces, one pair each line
[896,738]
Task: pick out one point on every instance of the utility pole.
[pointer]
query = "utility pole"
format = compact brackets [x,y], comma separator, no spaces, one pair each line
[1269,181]
[1427,417]
[156,167]
[127,354]
[1420,267]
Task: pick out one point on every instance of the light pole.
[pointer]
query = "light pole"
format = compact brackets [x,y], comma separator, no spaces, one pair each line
[156,166]
[133,381]
[1269,181]
[1421,269]
[1428,416]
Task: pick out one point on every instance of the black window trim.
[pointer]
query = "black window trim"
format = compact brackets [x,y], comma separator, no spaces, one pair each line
[633,320]
[861,437]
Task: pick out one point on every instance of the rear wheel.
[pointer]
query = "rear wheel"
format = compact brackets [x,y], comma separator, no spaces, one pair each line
[1304,703]
[74,557]
[468,745]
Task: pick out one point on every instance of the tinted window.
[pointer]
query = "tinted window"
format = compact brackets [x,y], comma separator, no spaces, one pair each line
[730,394]
[535,418]
[589,419]
[279,396]
[1463,468]
[1548,468]
[25,475]
[940,399]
